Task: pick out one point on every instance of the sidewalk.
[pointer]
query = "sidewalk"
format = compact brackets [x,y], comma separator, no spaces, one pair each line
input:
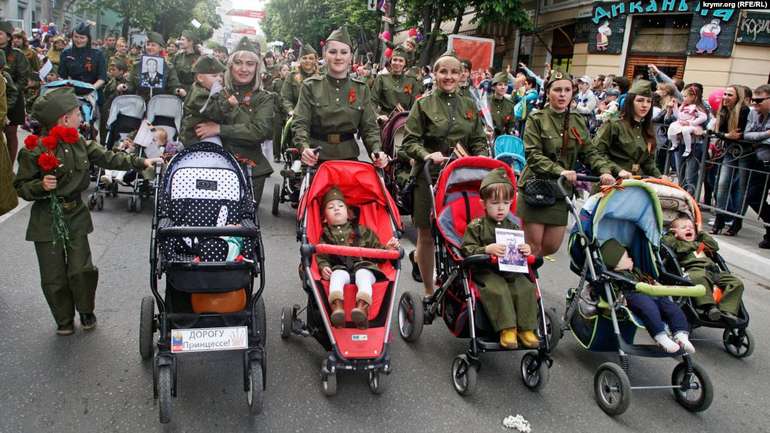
[742,250]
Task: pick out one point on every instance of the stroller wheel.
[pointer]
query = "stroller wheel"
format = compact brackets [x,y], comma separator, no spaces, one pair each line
[552,330]
[131,204]
[287,319]
[255,395]
[100,203]
[534,372]
[276,198]
[164,393]
[738,342]
[612,389]
[328,380]
[146,317]
[376,383]
[464,375]
[694,390]
[91,202]
[410,317]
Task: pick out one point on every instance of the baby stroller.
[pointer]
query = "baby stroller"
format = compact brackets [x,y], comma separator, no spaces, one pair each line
[88,97]
[349,348]
[126,114]
[610,326]
[510,149]
[206,241]
[166,111]
[397,172]
[291,174]
[674,201]
[457,299]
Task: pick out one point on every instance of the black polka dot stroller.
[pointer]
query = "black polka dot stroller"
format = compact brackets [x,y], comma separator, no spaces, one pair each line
[206,241]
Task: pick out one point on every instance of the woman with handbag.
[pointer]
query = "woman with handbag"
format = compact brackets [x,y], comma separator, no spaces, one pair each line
[440,123]
[554,139]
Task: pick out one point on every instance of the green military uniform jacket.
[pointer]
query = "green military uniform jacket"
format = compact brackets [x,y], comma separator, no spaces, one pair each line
[110,92]
[11,92]
[625,149]
[8,199]
[685,251]
[183,64]
[171,81]
[125,58]
[108,53]
[17,66]
[290,89]
[502,114]
[439,121]
[73,178]
[351,235]
[329,111]
[217,110]
[252,123]
[390,90]
[34,61]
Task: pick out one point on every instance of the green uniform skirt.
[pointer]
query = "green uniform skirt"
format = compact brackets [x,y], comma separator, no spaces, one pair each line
[555,215]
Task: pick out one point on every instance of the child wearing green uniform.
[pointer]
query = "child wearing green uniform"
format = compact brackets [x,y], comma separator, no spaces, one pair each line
[692,249]
[340,230]
[68,277]
[202,105]
[508,298]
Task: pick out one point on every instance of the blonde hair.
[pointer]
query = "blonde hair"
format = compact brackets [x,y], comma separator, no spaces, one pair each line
[240,55]
[731,115]
[446,58]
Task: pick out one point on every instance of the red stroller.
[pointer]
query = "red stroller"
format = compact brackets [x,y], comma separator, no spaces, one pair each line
[457,299]
[350,348]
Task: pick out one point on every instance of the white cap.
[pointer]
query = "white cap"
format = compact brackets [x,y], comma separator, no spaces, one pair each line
[586,79]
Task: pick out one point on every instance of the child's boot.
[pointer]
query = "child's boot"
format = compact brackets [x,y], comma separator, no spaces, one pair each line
[667,343]
[360,314]
[528,339]
[338,313]
[683,339]
[508,338]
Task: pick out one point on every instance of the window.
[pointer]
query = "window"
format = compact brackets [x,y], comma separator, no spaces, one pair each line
[662,34]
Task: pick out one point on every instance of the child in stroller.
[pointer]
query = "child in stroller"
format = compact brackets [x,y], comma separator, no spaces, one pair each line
[340,230]
[509,298]
[693,249]
[654,312]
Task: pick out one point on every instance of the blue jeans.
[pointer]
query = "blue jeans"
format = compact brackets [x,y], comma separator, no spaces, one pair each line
[687,168]
[656,312]
[731,189]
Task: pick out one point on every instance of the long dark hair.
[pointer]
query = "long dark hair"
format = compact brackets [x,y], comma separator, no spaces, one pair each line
[646,122]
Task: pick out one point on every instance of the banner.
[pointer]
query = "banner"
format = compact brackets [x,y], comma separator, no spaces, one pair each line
[480,51]
[246,13]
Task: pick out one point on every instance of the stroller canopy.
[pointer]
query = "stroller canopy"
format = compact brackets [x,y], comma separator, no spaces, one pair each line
[127,105]
[675,201]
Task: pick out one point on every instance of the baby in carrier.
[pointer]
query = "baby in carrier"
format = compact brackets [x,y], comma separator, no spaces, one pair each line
[654,312]
[692,249]
[340,229]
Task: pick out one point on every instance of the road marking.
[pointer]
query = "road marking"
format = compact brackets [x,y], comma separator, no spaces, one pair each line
[756,262]
[21,206]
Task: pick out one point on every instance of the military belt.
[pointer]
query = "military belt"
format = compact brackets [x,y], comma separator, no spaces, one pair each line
[335,138]
[69,203]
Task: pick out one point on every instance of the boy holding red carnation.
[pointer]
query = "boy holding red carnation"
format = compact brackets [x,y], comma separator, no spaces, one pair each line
[53,172]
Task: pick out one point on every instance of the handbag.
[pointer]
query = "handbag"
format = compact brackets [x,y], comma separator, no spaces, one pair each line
[405,197]
[539,192]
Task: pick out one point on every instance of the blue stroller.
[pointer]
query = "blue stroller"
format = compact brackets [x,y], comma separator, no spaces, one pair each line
[596,312]
[88,97]
[510,150]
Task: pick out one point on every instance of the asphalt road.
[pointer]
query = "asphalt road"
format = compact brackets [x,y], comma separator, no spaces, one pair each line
[96,382]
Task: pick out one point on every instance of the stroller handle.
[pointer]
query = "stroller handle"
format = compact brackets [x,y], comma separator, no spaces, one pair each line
[249,232]
[580,178]
[340,250]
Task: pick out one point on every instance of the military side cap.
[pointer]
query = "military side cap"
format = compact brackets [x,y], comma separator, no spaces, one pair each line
[54,104]
[189,34]
[157,38]
[340,35]
[495,176]
[642,88]
[557,75]
[400,52]
[6,26]
[612,251]
[307,49]
[500,77]
[245,44]
[333,194]
[119,63]
[83,29]
[208,65]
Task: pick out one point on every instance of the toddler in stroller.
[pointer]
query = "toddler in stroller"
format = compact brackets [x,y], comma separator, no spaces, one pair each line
[340,230]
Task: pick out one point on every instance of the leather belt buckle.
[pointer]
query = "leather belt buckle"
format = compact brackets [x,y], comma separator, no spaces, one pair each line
[333,139]
[68,205]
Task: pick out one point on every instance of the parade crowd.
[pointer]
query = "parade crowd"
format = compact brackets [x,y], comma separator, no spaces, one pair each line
[606,125]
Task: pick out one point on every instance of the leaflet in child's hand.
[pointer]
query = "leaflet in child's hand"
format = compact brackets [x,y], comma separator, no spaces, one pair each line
[513,260]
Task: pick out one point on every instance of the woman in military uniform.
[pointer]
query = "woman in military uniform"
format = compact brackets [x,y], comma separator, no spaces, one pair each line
[17,66]
[554,139]
[333,108]
[185,58]
[501,107]
[280,114]
[629,142]
[171,84]
[308,66]
[252,121]
[395,92]
[68,277]
[440,123]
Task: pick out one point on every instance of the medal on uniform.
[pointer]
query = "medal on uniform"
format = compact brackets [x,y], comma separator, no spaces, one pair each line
[352,96]
[408,88]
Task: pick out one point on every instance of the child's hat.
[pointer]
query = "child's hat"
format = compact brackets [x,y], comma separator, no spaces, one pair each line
[612,251]
[333,194]
[208,65]
[500,77]
[497,175]
[119,63]
[50,107]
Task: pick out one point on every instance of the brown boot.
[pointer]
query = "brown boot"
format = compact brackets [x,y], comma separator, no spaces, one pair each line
[360,314]
[338,313]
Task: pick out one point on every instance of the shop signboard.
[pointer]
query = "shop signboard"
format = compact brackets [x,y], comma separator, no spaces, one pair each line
[754,29]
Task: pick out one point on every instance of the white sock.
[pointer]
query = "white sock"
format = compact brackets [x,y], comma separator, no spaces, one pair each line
[683,339]
[667,343]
